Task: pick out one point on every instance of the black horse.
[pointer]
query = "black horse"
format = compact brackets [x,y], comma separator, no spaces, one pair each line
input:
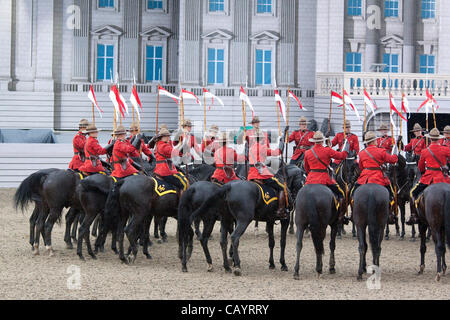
[434,211]
[316,209]
[370,209]
[244,202]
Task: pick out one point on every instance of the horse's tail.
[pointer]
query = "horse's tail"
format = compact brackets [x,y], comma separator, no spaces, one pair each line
[29,189]
[447,217]
[184,213]
[374,228]
[112,206]
[211,201]
[90,185]
[314,225]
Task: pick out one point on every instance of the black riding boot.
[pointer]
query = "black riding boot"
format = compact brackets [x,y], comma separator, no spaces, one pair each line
[415,194]
[392,217]
[342,219]
[282,212]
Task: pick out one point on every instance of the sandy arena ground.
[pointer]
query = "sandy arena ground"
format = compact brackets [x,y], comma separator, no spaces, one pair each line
[24,276]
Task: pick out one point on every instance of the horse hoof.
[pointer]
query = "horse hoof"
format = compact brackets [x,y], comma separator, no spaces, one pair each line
[354,235]
[332,271]
[210,268]
[164,240]
[386,237]
[359,277]
[184,269]
[339,237]
[159,241]
[284,268]
[422,268]
[413,239]
[237,272]
[296,276]
[35,250]
[82,258]
[50,251]
[148,256]
[319,275]
[93,256]
[69,246]
[291,231]
[438,277]
[271,266]
[130,259]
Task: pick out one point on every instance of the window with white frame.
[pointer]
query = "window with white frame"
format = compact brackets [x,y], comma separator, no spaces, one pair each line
[264,6]
[216,5]
[105,62]
[155,5]
[263,67]
[427,63]
[153,63]
[353,62]
[392,62]
[354,8]
[216,65]
[106,4]
[391,8]
[428,9]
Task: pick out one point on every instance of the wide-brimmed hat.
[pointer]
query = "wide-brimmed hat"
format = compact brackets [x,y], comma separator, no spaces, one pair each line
[91,129]
[84,123]
[163,133]
[255,120]
[348,124]
[165,126]
[417,127]
[383,127]
[134,127]
[434,134]
[214,128]
[370,137]
[446,129]
[187,123]
[303,120]
[318,137]
[120,130]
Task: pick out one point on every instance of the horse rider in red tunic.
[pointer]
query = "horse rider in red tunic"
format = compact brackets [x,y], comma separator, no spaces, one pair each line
[317,165]
[208,143]
[434,169]
[259,172]
[352,139]
[78,146]
[418,143]
[164,166]
[93,150]
[446,140]
[302,143]
[385,141]
[224,159]
[372,162]
[134,130]
[252,133]
[121,153]
[185,151]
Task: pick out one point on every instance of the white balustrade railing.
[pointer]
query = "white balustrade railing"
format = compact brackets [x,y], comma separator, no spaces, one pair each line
[380,84]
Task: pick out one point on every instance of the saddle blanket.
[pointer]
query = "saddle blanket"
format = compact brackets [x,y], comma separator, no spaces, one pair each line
[162,187]
[268,194]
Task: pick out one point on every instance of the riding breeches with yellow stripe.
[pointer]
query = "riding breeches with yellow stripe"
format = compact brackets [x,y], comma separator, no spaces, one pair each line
[178,180]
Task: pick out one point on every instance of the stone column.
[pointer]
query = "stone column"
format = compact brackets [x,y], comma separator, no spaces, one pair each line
[6,31]
[172,57]
[287,43]
[240,56]
[129,57]
[44,46]
[191,41]
[80,53]
[409,25]
[372,52]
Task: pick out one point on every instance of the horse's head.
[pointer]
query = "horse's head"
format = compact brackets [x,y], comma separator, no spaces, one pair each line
[295,178]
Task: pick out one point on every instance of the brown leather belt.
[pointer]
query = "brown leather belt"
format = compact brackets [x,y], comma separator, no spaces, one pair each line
[434,169]
[319,170]
[373,169]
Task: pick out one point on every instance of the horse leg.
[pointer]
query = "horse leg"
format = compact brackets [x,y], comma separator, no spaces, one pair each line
[131,230]
[269,230]
[208,227]
[70,217]
[198,234]
[224,245]
[439,240]
[353,230]
[386,236]
[283,236]
[155,228]
[120,235]
[361,231]
[339,231]
[39,229]
[235,236]
[423,245]
[291,223]
[256,228]
[82,231]
[53,216]
[162,229]
[95,226]
[429,234]
[402,219]
[146,237]
[33,219]
[300,231]
[332,248]
[78,219]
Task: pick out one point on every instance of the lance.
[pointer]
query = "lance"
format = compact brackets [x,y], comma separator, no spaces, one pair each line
[204,119]
[287,117]
[244,110]
[394,171]
[365,115]
[93,114]
[345,137]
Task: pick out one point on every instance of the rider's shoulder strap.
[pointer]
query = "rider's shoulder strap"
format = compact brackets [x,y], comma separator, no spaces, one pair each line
[372,157]
[435,158]
[317,157]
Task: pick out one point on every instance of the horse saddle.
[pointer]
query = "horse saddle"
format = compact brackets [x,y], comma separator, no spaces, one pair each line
[162,187]
[268,194]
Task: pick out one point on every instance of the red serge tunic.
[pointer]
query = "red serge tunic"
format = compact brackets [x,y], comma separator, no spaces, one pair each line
[258,154]
[250,137]
[431,167]
[385,143]
[163,152]
[339,140]
[225,156]
[317,172]
[92,148]
[121,152]
[370,169]
[78,146]
[445,142]
[416,145]
[145,149]
[302,142]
